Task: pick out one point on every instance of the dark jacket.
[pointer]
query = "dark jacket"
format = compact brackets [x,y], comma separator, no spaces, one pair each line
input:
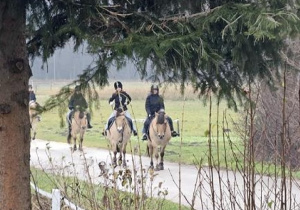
[154,103]
[32,96]
[121,100]
[78,100]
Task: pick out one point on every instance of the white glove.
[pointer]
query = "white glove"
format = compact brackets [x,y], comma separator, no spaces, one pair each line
[111,103]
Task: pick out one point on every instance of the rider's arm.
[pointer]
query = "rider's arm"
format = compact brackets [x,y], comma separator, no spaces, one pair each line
[127,97]
[71,102]
[147,106]
[162,104]
[112,98]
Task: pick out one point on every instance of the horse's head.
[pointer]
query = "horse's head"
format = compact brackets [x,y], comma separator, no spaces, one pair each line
[161,123]
[80,119]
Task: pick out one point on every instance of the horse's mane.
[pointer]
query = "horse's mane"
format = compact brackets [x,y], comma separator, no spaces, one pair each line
[160,118]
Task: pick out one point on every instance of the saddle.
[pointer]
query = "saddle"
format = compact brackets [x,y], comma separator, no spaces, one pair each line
[112,120]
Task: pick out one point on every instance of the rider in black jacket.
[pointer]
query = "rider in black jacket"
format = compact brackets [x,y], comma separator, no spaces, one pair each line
[77,100]
[154,103]
[121,99]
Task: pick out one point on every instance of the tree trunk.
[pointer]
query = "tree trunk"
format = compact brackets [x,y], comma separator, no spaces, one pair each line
[14,116]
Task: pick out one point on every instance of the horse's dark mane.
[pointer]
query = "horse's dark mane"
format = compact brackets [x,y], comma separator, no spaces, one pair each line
[160,118]
[119,112]
[81,114]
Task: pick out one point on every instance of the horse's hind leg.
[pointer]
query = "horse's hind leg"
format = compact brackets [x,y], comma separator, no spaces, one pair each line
[34,134]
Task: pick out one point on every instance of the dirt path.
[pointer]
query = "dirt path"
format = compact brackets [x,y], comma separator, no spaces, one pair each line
[226,186]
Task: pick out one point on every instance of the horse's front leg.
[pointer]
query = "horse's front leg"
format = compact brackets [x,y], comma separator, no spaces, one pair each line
[162,154]
[114,161]
[156,158]
[81,140]
[74,147]
[150,152]
[124,154]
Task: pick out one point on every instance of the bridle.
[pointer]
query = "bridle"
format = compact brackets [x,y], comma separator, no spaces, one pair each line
[156,130]
[80,119]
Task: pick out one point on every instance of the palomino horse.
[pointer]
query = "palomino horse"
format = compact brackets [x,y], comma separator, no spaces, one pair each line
[119,134]
[34,118]
[159,137]
[79,125]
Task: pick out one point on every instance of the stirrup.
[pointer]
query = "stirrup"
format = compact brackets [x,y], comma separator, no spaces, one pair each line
[174,134]
[144,137]
[135,133]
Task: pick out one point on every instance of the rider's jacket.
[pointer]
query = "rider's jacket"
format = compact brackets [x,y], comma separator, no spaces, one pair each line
[77,99]
[122,99]
[154,103]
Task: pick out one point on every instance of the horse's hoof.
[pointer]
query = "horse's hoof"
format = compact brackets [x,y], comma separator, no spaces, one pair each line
[161,166]
[75,148]
[119,162]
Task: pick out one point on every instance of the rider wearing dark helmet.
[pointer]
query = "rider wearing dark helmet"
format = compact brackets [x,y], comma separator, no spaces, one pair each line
[120,99]
[77,100]
[154,103]
[31,94]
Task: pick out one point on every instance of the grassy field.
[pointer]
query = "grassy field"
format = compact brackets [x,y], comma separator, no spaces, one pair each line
[190,116]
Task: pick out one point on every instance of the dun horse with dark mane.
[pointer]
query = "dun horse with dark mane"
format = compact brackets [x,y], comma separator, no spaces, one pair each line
[159,137]
[79,126]
[119,134]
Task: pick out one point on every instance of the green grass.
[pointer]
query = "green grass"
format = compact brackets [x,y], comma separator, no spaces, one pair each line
[191,114]
[89,196]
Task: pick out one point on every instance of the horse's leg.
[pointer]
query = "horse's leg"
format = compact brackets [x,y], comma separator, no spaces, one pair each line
[115,158]
[81,140]
[156,158]
[75,147]
[162,153]
[80,144]
[124,153]
[150,152]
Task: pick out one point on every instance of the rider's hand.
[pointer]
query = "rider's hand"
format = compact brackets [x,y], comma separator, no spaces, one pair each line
[111,103]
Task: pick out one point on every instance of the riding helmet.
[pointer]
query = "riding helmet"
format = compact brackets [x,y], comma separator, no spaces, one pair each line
[118,84]
[154,87]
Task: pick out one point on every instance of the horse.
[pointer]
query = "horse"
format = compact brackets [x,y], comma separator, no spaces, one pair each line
[159,137]
[78,125]
[119,134]
[34,118]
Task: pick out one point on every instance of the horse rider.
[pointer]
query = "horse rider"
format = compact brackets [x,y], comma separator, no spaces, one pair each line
[31,94]
[121,99]
[154,103]
[32,101]
[77,100]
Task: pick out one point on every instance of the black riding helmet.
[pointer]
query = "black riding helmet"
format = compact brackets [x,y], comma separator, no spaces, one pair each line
[118,84]
[154,87]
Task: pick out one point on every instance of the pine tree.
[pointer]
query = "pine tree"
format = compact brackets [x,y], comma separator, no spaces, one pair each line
[215,45]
